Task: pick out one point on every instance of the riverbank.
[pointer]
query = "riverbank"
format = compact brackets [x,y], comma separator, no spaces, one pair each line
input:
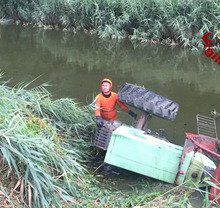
[168,22]
[45,149]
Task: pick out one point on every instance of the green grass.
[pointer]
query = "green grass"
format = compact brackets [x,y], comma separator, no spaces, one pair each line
[40,145]
[170,21]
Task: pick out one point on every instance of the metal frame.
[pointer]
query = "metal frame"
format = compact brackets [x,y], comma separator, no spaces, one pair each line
[206,126]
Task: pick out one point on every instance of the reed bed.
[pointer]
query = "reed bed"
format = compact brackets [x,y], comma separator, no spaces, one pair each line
[40,146]
[170,22]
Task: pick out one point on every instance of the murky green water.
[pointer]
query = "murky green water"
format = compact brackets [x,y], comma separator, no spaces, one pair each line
[75,64]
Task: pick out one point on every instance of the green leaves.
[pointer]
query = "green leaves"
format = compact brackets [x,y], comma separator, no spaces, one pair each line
[35,144]
[169,19]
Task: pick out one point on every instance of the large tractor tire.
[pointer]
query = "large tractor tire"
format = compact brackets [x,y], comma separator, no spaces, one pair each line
[148,101]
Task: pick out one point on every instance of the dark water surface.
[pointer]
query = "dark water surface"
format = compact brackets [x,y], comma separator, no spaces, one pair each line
[75,64]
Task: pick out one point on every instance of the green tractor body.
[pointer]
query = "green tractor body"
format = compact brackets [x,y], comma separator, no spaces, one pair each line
[134,150]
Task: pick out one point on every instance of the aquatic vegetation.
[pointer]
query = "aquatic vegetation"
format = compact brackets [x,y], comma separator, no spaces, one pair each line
[175,197]
[168,22]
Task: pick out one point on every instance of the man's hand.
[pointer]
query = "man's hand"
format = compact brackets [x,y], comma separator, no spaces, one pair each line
[132,114]
[99,121]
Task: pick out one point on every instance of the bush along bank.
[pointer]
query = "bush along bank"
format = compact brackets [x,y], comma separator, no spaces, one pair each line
[170,22]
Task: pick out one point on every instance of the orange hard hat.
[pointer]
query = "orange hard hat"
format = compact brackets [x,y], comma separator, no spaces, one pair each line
[107,80]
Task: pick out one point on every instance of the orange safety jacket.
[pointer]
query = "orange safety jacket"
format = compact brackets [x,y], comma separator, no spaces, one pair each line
[106,106]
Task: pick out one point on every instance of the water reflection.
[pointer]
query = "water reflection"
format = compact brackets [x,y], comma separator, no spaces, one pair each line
[74,65]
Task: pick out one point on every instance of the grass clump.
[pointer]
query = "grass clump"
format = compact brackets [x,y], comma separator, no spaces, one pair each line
[40,142]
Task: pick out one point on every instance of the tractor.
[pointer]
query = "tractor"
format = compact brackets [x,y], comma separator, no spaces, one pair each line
[137,149]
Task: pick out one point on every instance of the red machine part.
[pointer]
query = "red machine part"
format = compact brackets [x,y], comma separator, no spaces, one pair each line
[209,146]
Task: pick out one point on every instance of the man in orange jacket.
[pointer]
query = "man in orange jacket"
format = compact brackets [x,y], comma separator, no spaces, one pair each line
[105,103]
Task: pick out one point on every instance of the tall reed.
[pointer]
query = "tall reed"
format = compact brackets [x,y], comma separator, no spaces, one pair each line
[169,21]
[40,143]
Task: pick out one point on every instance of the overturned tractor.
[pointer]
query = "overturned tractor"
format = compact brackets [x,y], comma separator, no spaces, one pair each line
[136,149]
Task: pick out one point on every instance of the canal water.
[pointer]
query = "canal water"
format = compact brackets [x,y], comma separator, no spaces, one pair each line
[74,64]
